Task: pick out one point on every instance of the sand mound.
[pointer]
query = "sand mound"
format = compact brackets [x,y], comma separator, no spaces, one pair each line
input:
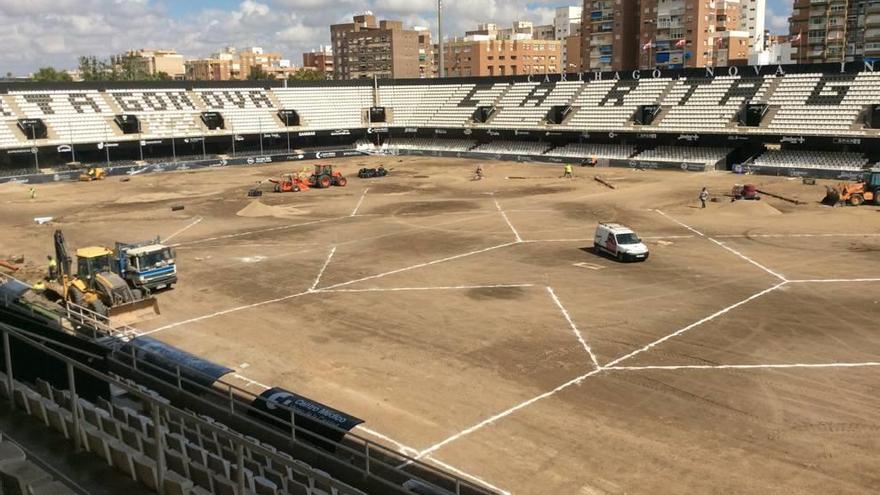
[256,209]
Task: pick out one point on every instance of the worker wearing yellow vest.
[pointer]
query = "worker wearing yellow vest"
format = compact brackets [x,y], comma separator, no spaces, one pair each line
[569,173]
[53,268]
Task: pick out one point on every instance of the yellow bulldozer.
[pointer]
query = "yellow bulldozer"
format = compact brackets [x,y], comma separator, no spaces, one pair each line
[855,194]
[93,173]
[97,286]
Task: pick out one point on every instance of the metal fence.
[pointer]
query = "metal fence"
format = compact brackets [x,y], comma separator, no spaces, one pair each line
[374,464]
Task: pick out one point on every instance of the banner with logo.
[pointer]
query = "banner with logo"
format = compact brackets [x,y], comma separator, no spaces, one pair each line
[322,420]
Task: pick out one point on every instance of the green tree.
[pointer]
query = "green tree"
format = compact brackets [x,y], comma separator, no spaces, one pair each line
[306,75]
[50,74]
[257,74]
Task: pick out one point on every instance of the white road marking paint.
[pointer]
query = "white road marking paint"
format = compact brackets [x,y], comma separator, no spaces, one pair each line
[420,265]
[193,224]
[452,287]
[471,477]
[695,324]
[249,382]
[835,281]
[323,267]
[722,245]
[505,413]
[746,366]
[403,449]
[358,207]
[504,215]
[573,327]
[225,312]
[258,231]
[746,236]
[590,239]
[589,266]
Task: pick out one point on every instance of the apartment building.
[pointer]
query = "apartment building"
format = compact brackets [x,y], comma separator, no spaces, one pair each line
[480,56]
[152,62]
[366,48]
[610,34]
[320,60]
[835,30]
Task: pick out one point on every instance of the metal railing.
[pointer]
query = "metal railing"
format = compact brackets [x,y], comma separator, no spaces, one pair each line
[372,460]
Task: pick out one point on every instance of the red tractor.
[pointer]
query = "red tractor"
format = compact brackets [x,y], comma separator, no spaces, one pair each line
[290,183]
[325,177]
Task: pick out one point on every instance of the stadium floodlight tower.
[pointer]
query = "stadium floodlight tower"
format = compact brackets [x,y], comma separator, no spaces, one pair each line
[440,36]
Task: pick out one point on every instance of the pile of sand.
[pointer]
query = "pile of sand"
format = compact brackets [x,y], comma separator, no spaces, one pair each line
[256,209]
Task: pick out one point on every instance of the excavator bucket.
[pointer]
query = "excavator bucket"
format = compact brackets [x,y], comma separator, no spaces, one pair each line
[133,312]
[832,196]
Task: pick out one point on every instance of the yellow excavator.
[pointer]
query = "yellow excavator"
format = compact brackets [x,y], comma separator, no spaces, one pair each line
[96,285]
[93,173]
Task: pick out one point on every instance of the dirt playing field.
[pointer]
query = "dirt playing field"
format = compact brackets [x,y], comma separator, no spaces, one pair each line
[471,325]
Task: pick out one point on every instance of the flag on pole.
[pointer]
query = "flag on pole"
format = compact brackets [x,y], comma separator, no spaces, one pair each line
[680,43]
[796,38]
[647,46]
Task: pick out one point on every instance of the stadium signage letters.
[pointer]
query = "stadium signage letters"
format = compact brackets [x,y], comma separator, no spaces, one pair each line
[341,132]
[306,134]
[411,130]
[157,141]
[644,135]
[792,139]
[847,141]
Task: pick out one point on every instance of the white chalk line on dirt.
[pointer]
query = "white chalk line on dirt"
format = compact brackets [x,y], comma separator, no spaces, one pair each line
[191,225]
[323,267]
[450,287]
[694,325]
[745,366]
[573,327]
[358,207]
[581,378]
[505,413]
[834,281]
[226,312]
[257,231]
[420,265]
[403,449]
[722,245]
[771,236]
[504,216]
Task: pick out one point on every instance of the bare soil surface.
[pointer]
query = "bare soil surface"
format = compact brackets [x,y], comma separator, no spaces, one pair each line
[470,322]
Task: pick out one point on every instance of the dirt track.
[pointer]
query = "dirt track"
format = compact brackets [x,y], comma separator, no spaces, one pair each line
[435,325]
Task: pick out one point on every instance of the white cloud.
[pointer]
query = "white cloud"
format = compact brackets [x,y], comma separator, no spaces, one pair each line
[55,32]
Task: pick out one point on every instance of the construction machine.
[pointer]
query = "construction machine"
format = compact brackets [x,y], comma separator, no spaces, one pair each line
[147,265]
[93,173]
[324,177]
[866,190]
[97,286]
[290,183]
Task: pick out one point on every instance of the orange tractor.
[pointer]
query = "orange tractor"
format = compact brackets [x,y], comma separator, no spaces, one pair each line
[865,191]
[324,177]
[290,183]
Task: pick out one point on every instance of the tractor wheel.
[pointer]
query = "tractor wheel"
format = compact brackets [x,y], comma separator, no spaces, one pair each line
[75,296]
[324,181]
[98,307]
[856,200]
[341,182]
[278,188]
[877,198]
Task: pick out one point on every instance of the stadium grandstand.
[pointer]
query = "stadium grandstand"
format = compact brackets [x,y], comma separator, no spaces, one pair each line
[695,119]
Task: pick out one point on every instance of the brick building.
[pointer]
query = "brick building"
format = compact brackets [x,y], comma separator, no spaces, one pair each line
[365,48]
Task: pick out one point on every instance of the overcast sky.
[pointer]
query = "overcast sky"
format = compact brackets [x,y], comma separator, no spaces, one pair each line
[37,33]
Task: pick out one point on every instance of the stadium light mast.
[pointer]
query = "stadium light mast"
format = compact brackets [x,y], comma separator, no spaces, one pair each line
[440,36]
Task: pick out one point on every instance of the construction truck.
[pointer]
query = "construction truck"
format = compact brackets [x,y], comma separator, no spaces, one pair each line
[93,173]
[148,265]
[290,183]
[96,285]
[855,194]
[324,177]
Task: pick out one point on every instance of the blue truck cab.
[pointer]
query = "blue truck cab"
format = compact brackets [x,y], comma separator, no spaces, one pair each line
[148,265]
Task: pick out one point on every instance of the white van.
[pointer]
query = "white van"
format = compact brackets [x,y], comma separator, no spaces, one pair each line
[620,242]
